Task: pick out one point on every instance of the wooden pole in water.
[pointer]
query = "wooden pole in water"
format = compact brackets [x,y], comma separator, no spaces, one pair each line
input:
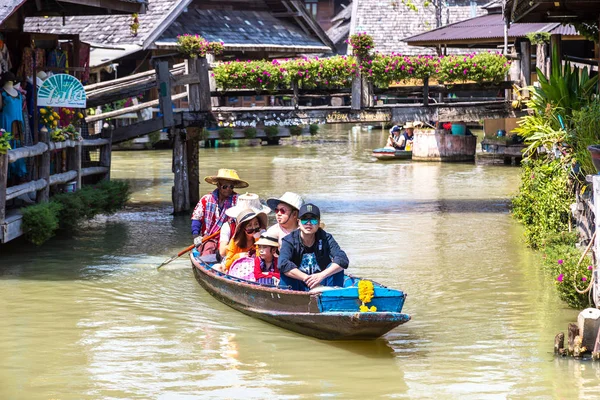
[180,194]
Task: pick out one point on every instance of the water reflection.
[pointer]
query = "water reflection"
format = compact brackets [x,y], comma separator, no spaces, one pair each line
[89,316]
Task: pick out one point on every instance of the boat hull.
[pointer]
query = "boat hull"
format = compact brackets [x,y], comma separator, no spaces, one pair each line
[384,154]
[296,311]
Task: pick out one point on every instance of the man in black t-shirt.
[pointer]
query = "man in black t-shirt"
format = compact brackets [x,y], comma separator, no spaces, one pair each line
[309,256]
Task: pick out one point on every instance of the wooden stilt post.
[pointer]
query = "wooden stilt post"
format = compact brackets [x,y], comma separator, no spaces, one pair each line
[367,91]
[540,57]
[74,163]
[426,91]
[200,101]
[43,195]
[106,151]
[3,184]
[525,77]
[295,95]
[357,88]
[180,194]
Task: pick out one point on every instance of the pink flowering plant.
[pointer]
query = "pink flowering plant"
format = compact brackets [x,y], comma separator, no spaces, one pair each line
[5,138]
[333,72]
[362,45]
[193,46]
[251,75]
[338,71]
[561,260]
[478,67]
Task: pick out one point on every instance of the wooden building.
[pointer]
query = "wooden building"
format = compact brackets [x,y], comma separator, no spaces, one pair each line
[390,22]
[250,30]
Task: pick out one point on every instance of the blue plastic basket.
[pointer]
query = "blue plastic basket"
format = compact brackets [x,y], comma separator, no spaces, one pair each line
[459,129]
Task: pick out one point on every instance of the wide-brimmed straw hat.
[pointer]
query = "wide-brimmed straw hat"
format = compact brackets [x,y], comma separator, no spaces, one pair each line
[247,201]
[409,125]
[265,240]
[289,198]
[227,175]
[247,215]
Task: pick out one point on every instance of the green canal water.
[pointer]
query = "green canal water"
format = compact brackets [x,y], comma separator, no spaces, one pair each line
[90,317]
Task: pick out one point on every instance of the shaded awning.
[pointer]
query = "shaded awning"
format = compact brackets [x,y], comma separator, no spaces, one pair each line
[552,10]
[100,55]
[487,29]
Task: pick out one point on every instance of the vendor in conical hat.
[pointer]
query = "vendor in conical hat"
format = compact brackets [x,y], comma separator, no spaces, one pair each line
[209,214]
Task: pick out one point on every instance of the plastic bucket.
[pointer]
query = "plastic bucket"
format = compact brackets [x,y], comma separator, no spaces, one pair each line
[459,129]
[69,187]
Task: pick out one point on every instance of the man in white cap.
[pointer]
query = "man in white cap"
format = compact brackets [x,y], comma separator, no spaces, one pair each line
[286,213]
[209,214]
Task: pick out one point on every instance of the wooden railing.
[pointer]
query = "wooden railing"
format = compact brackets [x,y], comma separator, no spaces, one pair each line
[43,180]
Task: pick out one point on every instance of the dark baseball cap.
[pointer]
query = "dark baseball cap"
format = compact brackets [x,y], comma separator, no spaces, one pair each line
[309,208]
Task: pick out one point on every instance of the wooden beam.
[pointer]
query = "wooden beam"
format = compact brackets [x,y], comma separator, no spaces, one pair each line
[25,152]
[284,116]
[128,132]
[94,171]
[164,92]
[24,188]
[525,66]
[43,193]
[126,110]
[94,142]
[89,88]
[63,177]
[114,5]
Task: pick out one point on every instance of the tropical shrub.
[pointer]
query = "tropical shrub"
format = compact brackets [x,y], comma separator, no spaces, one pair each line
[271,131]
[65,211]
[295,130]
[313,129]
[40,222]
[250,132]
[543,201]
[226,133]
[586,123]
[561,261]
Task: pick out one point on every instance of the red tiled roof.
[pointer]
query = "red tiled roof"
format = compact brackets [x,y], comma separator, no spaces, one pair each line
[489,26]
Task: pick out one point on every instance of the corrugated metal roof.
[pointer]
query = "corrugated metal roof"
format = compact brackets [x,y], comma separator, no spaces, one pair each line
[8,7]
[489,26]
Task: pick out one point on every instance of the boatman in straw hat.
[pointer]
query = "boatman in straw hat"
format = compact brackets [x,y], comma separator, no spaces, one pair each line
[286,213]
[209,214]
[406,138]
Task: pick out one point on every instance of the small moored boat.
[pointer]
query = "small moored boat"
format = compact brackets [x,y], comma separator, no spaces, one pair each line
[386,153]
[330,313]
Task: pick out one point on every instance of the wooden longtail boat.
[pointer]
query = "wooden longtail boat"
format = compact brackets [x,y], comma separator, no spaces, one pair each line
[385,153]
[329,314]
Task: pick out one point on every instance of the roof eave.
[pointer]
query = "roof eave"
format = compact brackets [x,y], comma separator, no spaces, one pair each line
[256,47]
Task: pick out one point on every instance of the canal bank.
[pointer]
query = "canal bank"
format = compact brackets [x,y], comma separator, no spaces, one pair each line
[89,316]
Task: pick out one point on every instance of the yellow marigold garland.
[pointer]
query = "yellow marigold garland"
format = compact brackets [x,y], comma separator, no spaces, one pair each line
[365,295]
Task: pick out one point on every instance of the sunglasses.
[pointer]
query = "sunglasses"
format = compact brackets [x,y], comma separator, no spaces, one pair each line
[252,230]
[227,186]
[313,221]
[280,211]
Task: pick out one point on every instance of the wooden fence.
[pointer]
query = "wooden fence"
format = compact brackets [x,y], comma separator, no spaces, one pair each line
[10,223]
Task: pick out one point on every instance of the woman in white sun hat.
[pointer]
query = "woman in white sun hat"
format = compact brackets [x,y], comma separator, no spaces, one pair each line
[244,201]
[286,213]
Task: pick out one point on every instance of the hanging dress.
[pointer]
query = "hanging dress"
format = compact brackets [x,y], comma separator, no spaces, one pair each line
[11,120]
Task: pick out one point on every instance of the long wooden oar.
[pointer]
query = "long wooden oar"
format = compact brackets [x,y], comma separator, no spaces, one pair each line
[188,249]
